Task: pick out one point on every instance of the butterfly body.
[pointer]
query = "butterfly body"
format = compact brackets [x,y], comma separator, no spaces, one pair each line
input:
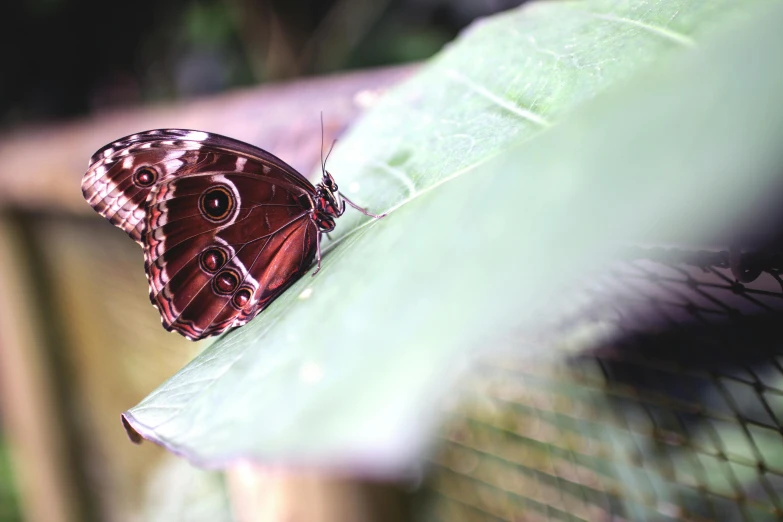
[225,226]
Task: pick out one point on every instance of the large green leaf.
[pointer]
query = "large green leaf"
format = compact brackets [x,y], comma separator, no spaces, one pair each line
[346,369]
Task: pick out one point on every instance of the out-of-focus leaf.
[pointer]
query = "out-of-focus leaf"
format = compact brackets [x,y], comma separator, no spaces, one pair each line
[489,226]
[9,503]
[178,491]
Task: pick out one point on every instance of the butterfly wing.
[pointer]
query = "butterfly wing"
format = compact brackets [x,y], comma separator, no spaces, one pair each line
[122,174]
[214,267]
[225,226]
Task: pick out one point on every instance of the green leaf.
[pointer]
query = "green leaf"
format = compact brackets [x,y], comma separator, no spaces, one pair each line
[494,224]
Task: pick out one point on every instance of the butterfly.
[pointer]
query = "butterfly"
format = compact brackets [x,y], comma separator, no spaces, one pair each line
[225,226]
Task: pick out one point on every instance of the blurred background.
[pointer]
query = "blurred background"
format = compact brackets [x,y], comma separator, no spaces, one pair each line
[620,433]
[79,342]
[79,58]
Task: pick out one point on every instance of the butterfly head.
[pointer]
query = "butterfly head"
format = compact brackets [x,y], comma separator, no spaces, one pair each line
[328,199]
[329,203]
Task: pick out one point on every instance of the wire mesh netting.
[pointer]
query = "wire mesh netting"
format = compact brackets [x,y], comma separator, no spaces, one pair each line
[672,413]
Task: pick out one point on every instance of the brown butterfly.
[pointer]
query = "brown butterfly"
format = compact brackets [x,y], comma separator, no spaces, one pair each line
[225,226]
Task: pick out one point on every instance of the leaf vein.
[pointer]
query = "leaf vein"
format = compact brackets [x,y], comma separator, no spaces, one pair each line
[398,174]
[661,31]
[524,113]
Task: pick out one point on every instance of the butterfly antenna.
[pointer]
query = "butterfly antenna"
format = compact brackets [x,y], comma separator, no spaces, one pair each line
[323,162]
[328,153]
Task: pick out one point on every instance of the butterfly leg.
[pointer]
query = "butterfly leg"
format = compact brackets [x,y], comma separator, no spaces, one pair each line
[325,225]
[317,253]
[360,209]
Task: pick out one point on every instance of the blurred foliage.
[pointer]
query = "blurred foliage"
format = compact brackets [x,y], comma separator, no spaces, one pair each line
[9,508]
[85,56]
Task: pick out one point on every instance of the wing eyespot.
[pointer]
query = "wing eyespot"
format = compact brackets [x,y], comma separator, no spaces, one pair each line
[242,297]
[216,203]
[145,177]
[212,259]
[225,282]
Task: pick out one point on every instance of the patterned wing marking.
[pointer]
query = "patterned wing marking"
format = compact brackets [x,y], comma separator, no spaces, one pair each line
[121,175]
[212,263]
